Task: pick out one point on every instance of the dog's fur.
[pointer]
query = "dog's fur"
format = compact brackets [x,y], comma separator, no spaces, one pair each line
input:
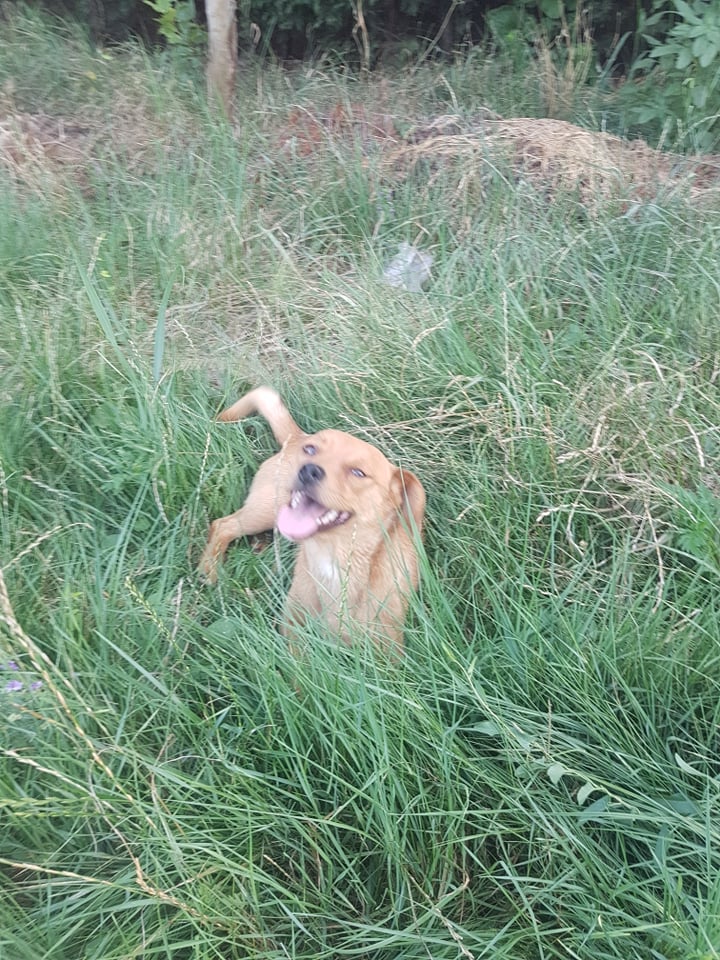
[355,516]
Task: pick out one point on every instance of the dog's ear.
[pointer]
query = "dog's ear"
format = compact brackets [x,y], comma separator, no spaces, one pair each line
[411,497]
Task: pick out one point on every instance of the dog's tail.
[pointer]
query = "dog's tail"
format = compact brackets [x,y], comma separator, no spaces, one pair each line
[268,404]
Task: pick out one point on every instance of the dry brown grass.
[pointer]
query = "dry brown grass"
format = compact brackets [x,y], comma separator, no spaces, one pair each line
[555,156]
[558,157]
[36,148]
[43,151]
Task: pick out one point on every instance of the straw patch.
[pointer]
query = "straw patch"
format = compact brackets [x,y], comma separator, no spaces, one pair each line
[558,157]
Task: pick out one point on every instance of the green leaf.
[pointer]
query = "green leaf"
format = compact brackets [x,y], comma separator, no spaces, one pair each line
[709,54]
[595,808]
[686,808]
[686,768]
[698,46]
[487,728]
[105,315]
[684,59]
[556,772]
[686,11]
[646,114]
[651,21]
[225,628]
[699,95]
[661,844]
[551,9]
[159,345]
[584,792]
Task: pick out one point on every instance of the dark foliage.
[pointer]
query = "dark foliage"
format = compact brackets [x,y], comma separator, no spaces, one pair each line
[295,29]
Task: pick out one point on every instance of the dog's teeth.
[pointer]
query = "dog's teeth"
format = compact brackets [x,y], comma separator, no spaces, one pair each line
[295,499]
[330,516]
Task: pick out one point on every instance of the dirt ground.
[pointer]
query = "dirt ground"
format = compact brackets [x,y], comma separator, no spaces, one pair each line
[553,155]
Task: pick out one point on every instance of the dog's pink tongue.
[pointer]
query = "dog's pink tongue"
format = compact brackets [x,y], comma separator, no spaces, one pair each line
[299,523]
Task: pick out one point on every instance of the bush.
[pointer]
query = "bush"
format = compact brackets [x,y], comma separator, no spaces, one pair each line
[679,77]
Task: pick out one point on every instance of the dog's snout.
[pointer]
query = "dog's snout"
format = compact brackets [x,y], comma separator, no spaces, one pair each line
[310,473]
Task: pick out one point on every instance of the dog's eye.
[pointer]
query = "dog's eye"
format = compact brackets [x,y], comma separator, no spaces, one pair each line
[310,450]
[357,472]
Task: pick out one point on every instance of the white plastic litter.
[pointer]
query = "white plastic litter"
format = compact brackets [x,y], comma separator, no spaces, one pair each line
[409,269]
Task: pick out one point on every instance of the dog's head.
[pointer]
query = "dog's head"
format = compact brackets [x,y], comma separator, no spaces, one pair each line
[338,479]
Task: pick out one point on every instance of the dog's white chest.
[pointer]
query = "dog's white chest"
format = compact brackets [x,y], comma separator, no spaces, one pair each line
[325,570]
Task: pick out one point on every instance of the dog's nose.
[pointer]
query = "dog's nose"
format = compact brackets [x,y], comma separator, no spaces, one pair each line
[310,473]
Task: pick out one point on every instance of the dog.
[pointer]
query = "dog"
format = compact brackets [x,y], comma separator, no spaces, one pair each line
[356,518]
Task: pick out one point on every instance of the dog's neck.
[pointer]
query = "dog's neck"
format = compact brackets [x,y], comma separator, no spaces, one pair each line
[330,563]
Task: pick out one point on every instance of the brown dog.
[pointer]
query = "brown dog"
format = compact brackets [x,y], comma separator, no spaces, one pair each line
[354,515]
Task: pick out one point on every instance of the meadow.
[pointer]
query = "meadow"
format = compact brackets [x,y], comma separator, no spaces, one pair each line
[539,777]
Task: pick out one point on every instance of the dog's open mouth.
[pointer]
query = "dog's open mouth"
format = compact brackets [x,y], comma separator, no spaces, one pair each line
[303,517]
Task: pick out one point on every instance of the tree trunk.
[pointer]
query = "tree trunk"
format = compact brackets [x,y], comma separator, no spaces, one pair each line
[222,51]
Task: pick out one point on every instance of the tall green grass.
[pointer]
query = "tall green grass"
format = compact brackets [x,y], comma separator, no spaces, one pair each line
[539,777]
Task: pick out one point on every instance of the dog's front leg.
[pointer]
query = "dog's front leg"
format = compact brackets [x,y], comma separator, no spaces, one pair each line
[269,490]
